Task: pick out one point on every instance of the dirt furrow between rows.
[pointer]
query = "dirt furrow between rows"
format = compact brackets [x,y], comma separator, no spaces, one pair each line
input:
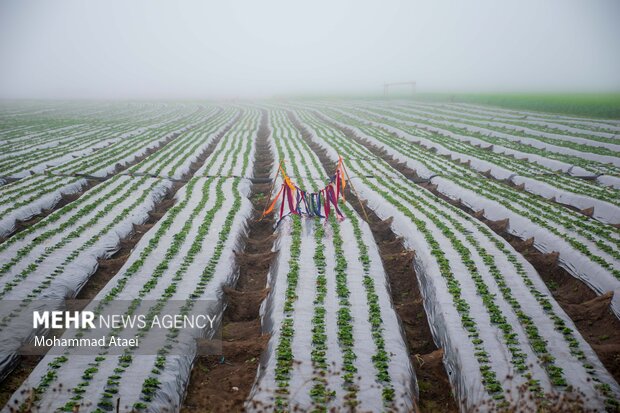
[222,383]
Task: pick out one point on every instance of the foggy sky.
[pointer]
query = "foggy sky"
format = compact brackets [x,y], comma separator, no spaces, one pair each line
[236,48]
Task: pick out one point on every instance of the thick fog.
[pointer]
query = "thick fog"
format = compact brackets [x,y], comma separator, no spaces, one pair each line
[234,48]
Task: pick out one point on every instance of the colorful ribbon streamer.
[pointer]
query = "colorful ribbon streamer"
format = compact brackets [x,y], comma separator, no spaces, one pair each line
[302,202]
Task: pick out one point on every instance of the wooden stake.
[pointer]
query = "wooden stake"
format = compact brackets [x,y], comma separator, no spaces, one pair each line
[355,191]
[273,183]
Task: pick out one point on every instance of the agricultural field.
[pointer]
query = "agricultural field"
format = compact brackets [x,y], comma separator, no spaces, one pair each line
[468,260]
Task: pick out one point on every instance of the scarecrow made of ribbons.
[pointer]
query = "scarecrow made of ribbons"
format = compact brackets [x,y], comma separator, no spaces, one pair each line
[297,201]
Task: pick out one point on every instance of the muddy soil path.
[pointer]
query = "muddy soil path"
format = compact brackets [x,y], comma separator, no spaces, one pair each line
[427,360]
[107,268]
[223,383]
[591,313]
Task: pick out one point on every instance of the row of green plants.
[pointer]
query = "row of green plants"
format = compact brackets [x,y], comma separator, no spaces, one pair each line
[488,125]
[129,187]
[541,212]
[538,123]
[587,164]
[30,130]
[522,167]
[284,350]
[110,155]
[598,125]
[441,135]
[381,358]
[159,160]
[320,392]
[159,272]
[47,379]
[529,169]
[92,164]
[124,148]
[490,381]
[53,139]
[199,136]
[76,233]
[11,188]
[134,269]
[537,342]
[14,164]
[437,165]
[77,205]
[22,137]
[151,383]
[171,157]
[27,196]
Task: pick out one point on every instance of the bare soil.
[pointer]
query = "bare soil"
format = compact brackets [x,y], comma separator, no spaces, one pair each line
[15,379]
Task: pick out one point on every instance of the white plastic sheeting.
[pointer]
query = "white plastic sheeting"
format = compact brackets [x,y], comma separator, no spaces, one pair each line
[572,129]
[445,322]
[576,263]
[12,188]
[184,168]
[302,373]
[106,170]
[575,125]
[543,145]
[301,376]
[74,275]
[46,201]
[519,139]
[74,146]
[603,211]
[495,122]
[175,375]
[66,157]
[460,361]
[520,113]
[607,180]
[49,199]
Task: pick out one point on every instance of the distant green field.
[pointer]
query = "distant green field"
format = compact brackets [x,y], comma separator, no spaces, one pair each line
[590,105]
[587,105]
